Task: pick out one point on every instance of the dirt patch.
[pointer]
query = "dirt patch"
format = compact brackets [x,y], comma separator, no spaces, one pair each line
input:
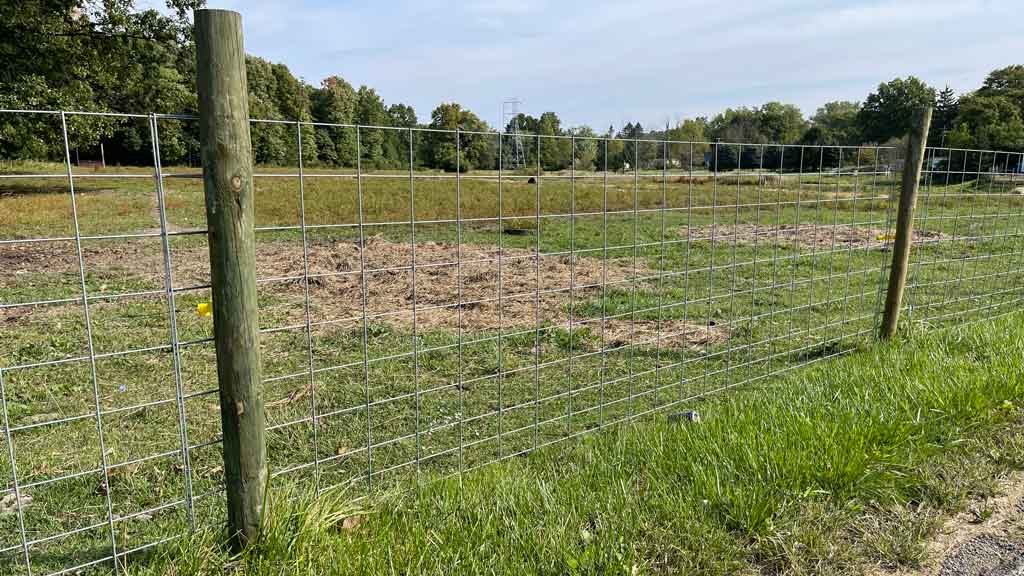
[61,257]
[812,236]
[986,539]
[532,291]
[670,333]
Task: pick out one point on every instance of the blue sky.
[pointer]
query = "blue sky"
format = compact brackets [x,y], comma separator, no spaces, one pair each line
[652,61]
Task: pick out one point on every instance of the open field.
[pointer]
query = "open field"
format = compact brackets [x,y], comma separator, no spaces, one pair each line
[411,329]
[845,468]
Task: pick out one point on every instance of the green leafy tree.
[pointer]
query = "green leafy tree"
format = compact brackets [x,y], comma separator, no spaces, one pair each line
[370,111]
[993,123]
[1007,82]
[396,142]
[889,111]
[737,132]
[781,123]
[832,125]
[630,150]
[555,153]
[692,135]
[335,103]
[610,153]
[586,147]
[835,123]
[89,55]
[441,150]
[270,142]
[960,137]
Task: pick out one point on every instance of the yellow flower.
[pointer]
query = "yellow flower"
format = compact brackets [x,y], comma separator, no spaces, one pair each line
[204,309]
[886,237]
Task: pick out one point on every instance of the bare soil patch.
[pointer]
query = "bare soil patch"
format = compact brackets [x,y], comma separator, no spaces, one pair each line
[814,236]
[451,286]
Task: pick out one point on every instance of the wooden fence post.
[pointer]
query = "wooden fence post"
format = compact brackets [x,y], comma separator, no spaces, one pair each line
[912,164]
[227,179]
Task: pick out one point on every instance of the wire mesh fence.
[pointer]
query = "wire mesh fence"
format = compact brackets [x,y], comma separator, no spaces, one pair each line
[418,322]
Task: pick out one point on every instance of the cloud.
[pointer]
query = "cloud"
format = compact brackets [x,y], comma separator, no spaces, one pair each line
[602,62]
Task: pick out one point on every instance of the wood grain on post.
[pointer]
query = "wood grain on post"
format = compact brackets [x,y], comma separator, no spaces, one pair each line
[227,180]
[912,165]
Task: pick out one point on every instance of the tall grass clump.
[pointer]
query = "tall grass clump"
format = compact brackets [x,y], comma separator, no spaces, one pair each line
[827,470]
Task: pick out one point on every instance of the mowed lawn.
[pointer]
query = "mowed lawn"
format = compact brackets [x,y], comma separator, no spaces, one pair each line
[652,291]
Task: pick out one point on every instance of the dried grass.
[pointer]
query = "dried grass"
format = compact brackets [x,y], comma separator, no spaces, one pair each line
[533,293]
[813,236]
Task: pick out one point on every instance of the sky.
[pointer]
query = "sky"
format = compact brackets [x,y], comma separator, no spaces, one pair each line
[605,63]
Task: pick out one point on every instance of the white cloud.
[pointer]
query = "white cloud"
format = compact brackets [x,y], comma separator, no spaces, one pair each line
[603,62]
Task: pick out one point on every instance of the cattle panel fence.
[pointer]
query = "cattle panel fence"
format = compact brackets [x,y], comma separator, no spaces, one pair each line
[416,323]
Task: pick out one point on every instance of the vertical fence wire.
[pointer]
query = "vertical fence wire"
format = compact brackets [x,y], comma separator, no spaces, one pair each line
[307,308]
[172,318]
[682,276]
[90,344]
[19,503]
[365,312]
[415,305]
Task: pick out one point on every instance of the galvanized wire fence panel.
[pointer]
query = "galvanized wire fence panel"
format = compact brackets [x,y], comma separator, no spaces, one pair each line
[97,444]
[969,260]
[418,322]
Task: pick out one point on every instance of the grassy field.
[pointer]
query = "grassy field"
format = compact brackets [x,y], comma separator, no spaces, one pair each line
[652,290]
[838,469]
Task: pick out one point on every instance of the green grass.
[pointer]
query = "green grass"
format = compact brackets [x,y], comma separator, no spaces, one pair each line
[831,470]
[782,305]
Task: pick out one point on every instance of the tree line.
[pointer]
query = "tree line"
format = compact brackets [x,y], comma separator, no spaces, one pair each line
[106,55]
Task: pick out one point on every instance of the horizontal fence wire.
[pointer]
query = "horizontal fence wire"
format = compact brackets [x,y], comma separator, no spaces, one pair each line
[432,301]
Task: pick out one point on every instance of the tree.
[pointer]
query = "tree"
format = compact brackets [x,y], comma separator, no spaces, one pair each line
[370,111]
[335,103]
[734,128]
[691,136]
[1007,82]
[781,123]
[396,142]
[628,151]
[959,137]
[90,55]
[402,116]
[586,147]
[477,150]
[835,123]
[993,123]
[610,152]
[271,143]
[947,107]
[555,153]
[889,112]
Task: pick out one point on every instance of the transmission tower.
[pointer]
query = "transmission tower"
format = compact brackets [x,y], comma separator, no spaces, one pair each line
[514,151]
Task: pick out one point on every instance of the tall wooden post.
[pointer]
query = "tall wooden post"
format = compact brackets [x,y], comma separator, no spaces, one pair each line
[227,179]
[912,165]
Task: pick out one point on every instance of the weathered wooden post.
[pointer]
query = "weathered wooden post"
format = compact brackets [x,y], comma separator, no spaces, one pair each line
[912,164]
[227,179]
